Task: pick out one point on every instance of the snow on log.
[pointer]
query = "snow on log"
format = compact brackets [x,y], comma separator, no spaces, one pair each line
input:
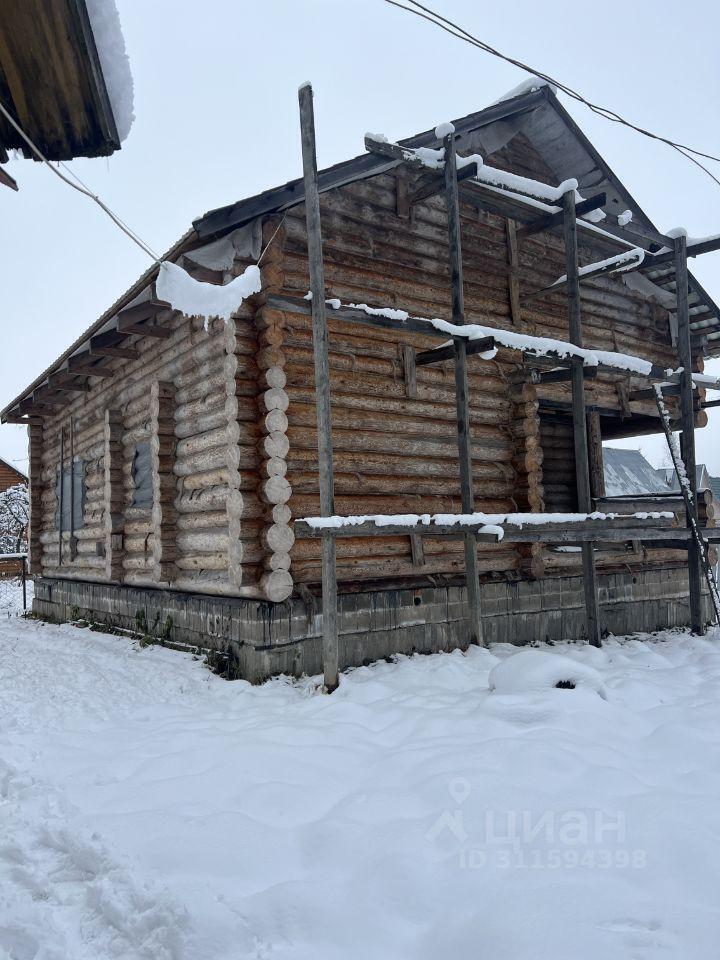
[537,346]
[490,523]
[195,298]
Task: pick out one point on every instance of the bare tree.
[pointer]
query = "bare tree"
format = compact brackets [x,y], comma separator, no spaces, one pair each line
[14,518]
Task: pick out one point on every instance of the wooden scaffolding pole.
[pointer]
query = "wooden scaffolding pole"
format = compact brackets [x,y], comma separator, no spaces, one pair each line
[461,389]
[580,439]
[687,420]
[322,384]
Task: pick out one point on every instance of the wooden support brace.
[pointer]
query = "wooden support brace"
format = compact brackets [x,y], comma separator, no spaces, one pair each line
[461,388]
[407,353]
[580,439]
[597,468]
[35,435]
[513,257]
[322,384]
[447,352]
[687,421]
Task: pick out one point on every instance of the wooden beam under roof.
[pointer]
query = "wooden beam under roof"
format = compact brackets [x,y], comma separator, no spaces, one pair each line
[122,353]
[137,319]
[66,382]
[88,365]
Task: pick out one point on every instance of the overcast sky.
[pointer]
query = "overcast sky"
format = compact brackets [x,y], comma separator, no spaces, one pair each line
[216,120]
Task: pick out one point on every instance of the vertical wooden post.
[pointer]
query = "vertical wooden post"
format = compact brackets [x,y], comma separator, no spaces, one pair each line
[513,258]
[461,388]
[35,435]
[687,421]
[580,439]
[73,540]
[597,468]
[322,384]
[24,583]
[61,497]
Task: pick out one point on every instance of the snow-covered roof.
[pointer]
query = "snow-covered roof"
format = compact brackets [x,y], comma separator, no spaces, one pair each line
[110,43]
[80,103]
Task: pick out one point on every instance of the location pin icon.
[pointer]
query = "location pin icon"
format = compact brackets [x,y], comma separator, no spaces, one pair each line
[459,789]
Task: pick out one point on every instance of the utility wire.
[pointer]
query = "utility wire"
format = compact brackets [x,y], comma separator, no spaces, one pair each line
[81,187]
[455,30]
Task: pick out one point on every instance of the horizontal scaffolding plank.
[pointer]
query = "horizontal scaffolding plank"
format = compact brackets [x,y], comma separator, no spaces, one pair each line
[536,350]
[494,529]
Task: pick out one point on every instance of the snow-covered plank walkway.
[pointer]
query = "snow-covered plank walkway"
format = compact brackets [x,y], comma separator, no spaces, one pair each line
[149,809]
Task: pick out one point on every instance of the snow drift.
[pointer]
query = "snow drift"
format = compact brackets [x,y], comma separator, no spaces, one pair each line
[536,671]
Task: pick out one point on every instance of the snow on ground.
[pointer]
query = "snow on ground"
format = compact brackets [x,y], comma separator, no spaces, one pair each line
[149,809]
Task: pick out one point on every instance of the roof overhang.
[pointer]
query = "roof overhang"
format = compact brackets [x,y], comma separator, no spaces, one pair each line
[52,83]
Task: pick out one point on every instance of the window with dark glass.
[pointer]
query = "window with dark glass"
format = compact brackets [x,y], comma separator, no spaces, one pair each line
[142,476]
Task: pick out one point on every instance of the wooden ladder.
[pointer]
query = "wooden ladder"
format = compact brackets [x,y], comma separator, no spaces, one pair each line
[690,503]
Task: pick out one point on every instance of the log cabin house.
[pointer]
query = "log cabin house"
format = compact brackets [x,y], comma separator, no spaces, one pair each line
[170,463]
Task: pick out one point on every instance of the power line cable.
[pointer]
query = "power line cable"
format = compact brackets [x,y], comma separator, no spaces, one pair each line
[81,187]
[460,33]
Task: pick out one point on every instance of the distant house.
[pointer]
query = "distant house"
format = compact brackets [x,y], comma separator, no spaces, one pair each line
[627,472]
[704,480]
[10,477]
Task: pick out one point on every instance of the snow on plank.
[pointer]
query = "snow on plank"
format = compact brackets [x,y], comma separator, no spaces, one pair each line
[494,527]
[620,263]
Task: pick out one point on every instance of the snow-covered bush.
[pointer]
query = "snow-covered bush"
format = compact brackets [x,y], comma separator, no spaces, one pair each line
[14,518]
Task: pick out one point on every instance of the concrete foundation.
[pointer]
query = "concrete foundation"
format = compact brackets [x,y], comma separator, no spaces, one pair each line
[263,639]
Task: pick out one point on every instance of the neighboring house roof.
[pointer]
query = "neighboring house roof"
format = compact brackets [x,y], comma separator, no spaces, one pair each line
[669,478]
[627,472]
[715,487]
[52,81]
[537,114]
[10,475]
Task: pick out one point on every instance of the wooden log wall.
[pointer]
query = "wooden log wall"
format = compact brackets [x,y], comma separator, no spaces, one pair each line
[527,462]
[556,439]
[114,495]
[204,437]
[162,450]
[274,490]
[394,448]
